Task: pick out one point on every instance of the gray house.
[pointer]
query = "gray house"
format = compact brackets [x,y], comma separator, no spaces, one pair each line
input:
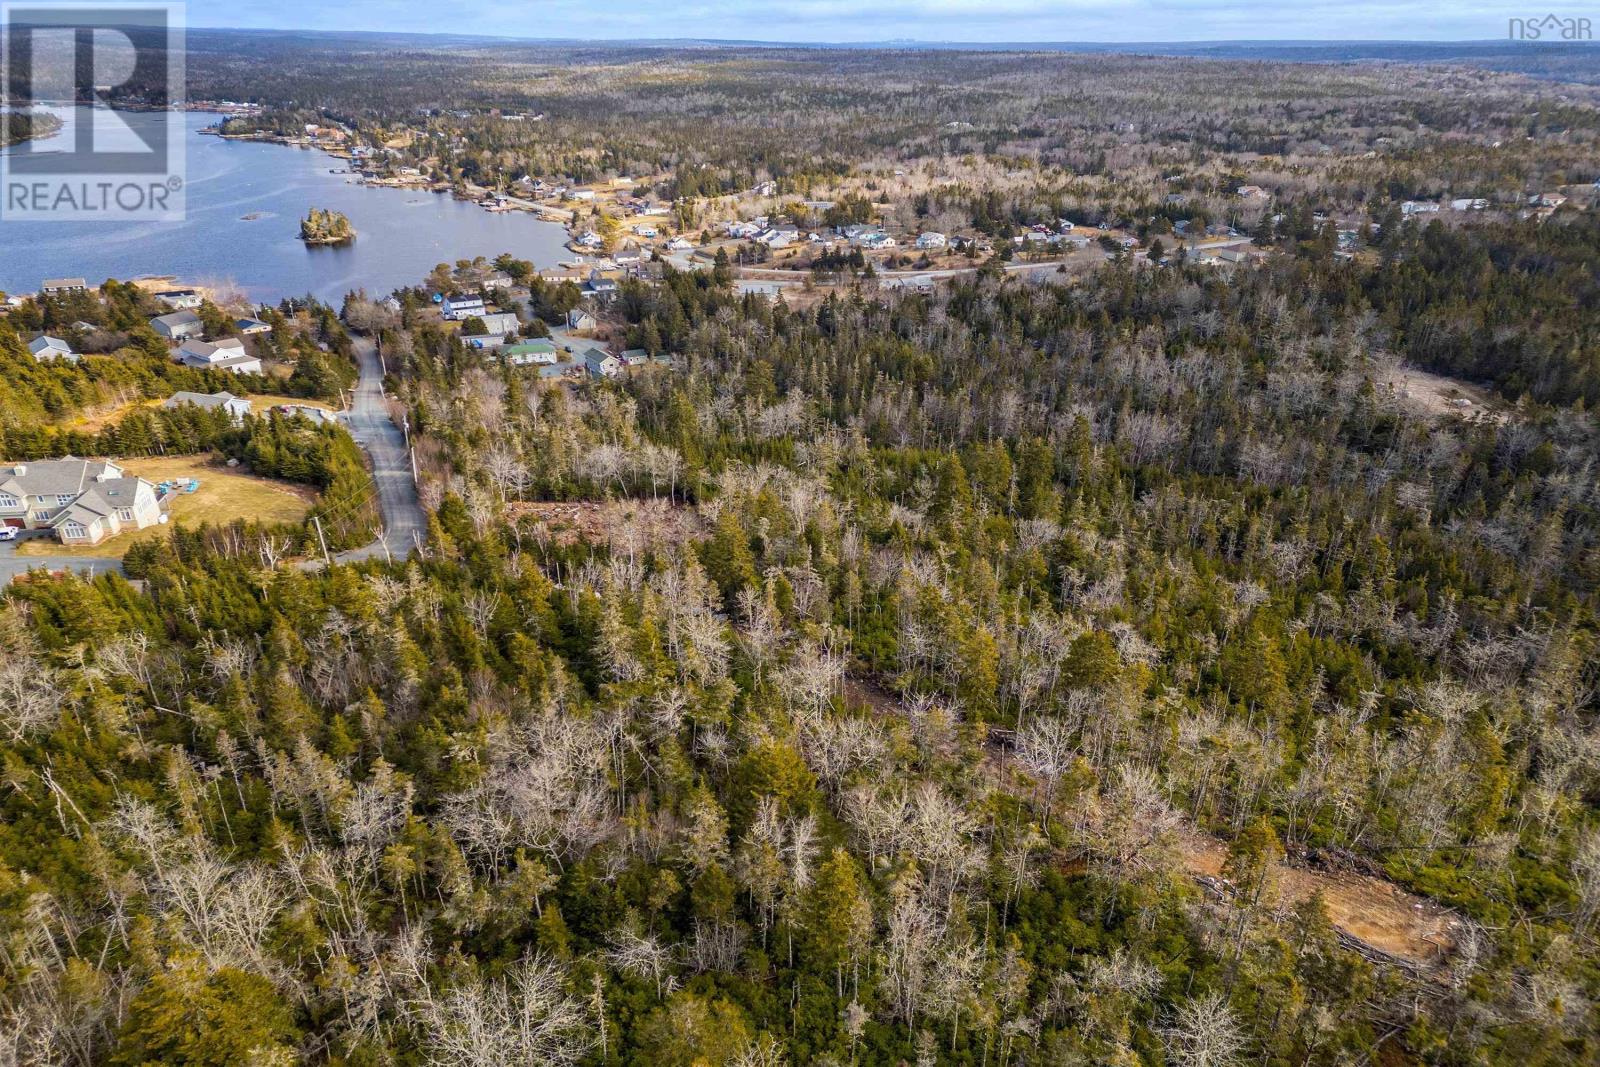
[236,406]
[178,326]
[82,501]
[47,349]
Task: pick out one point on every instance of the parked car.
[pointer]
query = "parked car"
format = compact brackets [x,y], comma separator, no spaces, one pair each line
[8,533]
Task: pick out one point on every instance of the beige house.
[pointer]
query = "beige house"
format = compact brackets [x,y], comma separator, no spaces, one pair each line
[83,501]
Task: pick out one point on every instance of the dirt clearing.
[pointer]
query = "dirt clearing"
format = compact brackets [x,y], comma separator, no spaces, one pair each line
[1377,913]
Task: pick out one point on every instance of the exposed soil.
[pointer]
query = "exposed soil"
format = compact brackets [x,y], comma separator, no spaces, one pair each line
[1375,912]
[1433,394]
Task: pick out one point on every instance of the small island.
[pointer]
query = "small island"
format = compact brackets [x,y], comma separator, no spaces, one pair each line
[324,227]
[19,126]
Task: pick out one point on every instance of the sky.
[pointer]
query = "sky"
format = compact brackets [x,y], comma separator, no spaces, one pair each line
[850,21]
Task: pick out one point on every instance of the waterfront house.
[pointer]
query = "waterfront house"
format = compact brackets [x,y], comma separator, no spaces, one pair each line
[249,327]
[62,286]
[237,407]
[178,325]
[47,349]
[227,354]
[180,298]
[81,501]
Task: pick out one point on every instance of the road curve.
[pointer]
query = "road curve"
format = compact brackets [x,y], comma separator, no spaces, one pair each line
[404,523]
[14,566]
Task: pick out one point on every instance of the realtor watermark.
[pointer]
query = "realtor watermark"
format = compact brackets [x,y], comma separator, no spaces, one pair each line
[104,83]
[1550,28]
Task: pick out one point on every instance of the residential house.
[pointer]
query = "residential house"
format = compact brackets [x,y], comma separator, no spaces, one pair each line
[1476,203]
[178,325]
[250,327]
[634,357]
[82,501]
[227,354]
[497,281]
[628,258]
[602,364]
[680,244]
[180,298]
[646,230]
[456,308]
[600,287]
[582,194]
[538,352]
[777,237]
[875,241]
[580,320]
[1547,200]
[1252,192]
[931,240]
[47,349]
[588,239]
[60,286]
[236,406]
[1419,207]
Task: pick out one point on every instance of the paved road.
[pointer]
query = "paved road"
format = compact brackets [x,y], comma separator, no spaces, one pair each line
[13,565]
[404,524]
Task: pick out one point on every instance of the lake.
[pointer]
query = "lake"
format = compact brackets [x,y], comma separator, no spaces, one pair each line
[402,233]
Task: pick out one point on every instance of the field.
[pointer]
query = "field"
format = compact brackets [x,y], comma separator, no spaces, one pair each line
[224,495]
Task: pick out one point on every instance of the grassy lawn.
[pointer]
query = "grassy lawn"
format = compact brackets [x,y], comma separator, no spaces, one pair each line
[262,402]
[224,495]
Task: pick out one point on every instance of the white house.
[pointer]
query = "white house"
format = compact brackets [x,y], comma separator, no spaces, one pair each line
[227,354]
[680,244]
[578,319]
[180,298]
[1419,207]
[582,194]
[456,308]
[646,230]
[47,349]
[83,501]
[500,323]
[538,352]
[57,286]
[178,326]
[931,240]
[236,406]
[1476,203]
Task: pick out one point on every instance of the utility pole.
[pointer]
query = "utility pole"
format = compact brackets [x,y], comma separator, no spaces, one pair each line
[321,540]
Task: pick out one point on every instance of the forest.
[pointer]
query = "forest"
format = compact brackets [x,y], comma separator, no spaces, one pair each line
[1113,668]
